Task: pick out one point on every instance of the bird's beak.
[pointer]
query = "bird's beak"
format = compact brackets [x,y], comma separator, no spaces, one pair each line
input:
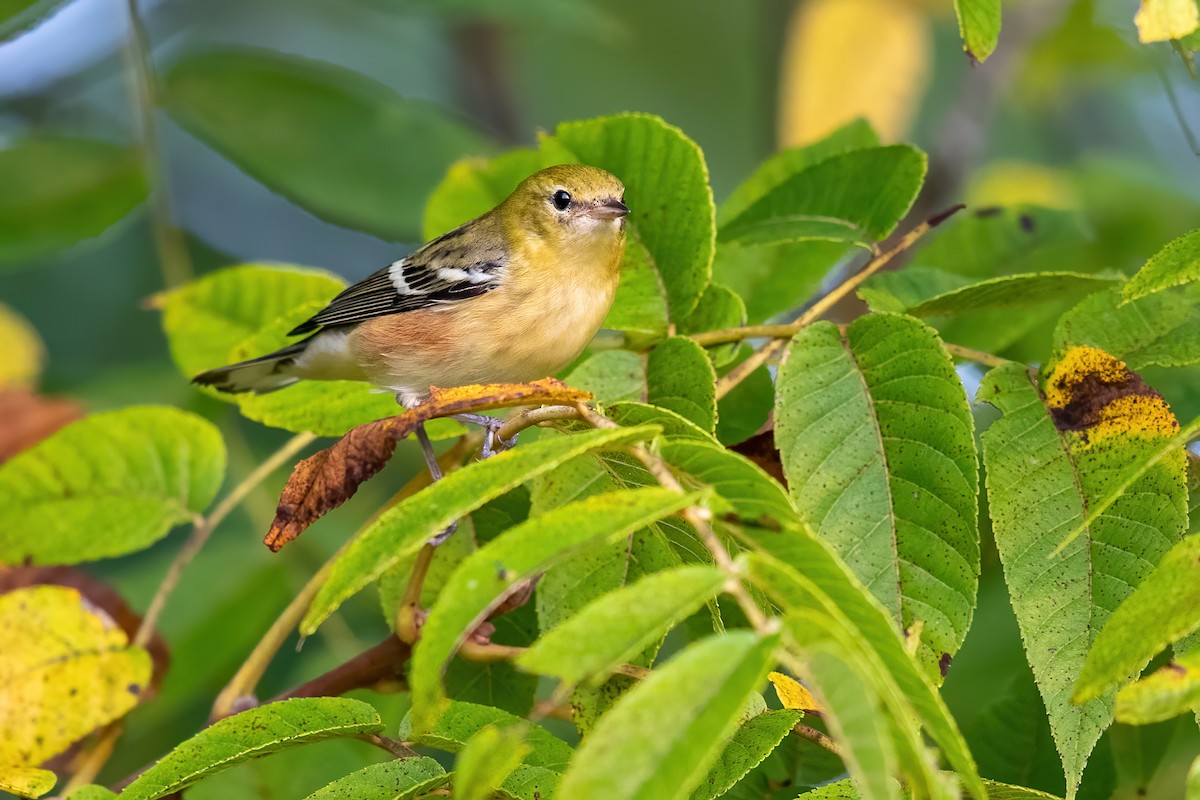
[610,208]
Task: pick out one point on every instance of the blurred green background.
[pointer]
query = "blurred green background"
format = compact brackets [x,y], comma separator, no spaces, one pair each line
[311,131]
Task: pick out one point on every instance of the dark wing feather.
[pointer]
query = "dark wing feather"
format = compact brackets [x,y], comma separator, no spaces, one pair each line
[442,272]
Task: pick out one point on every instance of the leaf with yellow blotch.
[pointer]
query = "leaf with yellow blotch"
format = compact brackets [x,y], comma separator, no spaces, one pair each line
[1162,20]
[792,693]
[325,480]
[23,350]
[1167,692]
[882,81]
[65,669]
[26,781]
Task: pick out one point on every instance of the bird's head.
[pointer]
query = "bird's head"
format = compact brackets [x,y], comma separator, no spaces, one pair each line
[571,204]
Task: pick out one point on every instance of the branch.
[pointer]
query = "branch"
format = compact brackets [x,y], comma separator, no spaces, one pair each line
[814,312]
[383,662]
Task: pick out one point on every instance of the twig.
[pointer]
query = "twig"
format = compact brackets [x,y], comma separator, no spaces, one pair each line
[172,252]
[535,416]
[383,662]
[814,735]
[204,526]
[406,614]
[971,354]
[389,745]
[814,312]
[252,669]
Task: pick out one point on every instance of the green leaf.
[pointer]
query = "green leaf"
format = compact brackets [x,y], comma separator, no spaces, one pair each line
[1175,265]
[27,781]
[619,625]
[91,792]
[484,578]
[878,723]
[404,529]
[322,136]
[399,779]
[460,721]
[740,483]
[666,185]
[844,790]
[111,483]
[776,170]
[57,192]
[1168,692]
[594,571]
[745,750]
[250,734]
[932,293]
[486,760]
[1160,329]
[640,305]
[1193,780]
[856,197]
[206,319]
[876,438]
[801,571]
[1163,609]
[246,311]
[1039,481]
[679,377]
[662,737]
[775,279]
[854,712]
[719,307]
[673,426]
[979,26]
[745,409]
[530,783]
[610,376]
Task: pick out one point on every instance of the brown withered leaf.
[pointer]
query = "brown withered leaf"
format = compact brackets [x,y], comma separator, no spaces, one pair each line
[325,480]
[26,418]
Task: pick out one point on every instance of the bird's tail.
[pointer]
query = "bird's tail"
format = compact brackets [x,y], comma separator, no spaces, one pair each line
[258,375]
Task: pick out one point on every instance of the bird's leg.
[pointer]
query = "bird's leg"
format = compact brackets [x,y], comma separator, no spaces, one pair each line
[492,443]
[435,472]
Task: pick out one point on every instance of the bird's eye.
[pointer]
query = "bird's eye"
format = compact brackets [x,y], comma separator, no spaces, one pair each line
[561,199]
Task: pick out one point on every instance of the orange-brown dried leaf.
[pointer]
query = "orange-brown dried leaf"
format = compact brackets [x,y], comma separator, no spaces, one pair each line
[26,418]
[325,480]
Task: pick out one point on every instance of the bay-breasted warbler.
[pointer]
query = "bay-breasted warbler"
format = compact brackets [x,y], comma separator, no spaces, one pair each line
[511,296]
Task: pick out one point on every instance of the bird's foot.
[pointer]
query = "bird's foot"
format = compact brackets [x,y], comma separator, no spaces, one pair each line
[492,443]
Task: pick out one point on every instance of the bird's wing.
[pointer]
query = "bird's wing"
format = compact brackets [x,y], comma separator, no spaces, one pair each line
[444,271]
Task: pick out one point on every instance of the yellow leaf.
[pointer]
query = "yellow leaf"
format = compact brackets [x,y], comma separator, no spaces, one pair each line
[1013,183]
[1162,20]
[26,781]
[845,59]
[65,670]
[792,693]
[22,349]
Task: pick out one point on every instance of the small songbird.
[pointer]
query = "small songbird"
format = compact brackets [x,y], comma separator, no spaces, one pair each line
[511,296]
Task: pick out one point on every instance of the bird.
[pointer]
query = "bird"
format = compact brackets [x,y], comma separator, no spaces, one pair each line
[511,296]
